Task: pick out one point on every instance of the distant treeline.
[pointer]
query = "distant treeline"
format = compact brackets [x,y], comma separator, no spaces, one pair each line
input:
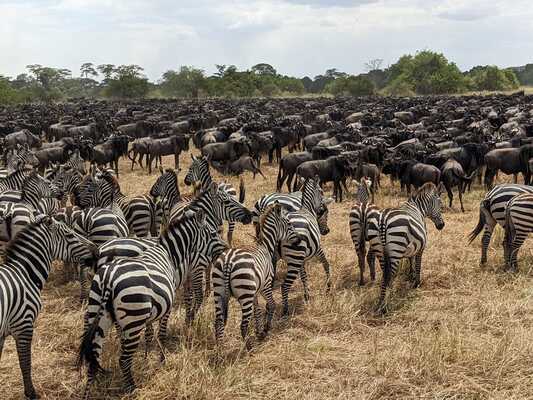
[426,72]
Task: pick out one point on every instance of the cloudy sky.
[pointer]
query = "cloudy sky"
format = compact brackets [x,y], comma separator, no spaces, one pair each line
[298,37]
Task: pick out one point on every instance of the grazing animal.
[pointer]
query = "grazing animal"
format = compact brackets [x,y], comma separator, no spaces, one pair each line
[199,172]
[309,227]
[134,293]
[246,273]
[237,167]
[288,165]
[492,211]
[452,175]
[22,277]
[403,234]
[518,225]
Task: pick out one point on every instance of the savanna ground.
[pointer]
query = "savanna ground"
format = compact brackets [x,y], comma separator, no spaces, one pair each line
[466,333]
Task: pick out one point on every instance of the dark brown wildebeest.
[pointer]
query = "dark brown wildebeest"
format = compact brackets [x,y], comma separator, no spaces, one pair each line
[237,167]
[137,130]
[452,174]
[227,151]
[22,137]
[172,145]
[367,170]
[139,147]
[506,160]
[288,165]
[334,169]
[412,172]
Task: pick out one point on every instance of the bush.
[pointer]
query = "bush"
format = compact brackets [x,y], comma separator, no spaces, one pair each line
[351,86]
[492,78]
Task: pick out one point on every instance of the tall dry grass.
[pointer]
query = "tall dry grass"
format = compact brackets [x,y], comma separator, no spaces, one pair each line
[466,333]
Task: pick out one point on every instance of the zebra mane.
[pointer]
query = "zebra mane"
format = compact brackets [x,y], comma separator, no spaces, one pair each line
[426,188]
[264,217]
[181,219]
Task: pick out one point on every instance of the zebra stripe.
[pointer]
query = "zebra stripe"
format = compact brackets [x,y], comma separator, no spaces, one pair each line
[199,172]
[23,276]
[33,190]
[492,212]
[309,227]
[518,225]
[403,234]
[134,293]
[246,273]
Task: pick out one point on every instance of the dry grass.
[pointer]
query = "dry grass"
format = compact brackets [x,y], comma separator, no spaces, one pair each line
[465,334]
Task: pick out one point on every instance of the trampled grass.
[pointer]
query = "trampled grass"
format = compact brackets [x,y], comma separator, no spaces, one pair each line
[466,333]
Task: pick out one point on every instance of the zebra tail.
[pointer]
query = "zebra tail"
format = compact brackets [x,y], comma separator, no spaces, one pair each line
[226,271]
[362,234]
[87,350]
[483,206]
[509,232]
[242,191]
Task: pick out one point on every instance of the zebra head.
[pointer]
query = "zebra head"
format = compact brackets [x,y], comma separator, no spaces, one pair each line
[428,201]
[312,195]
[66,244]
[364,190]
[230,208]
[166,186]
[23,157]
[67,179]
[198,170]
[276,223]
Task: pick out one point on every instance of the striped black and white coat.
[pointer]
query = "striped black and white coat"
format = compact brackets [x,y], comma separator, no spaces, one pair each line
[18,161]
[134,293]
[492,212]
[14,218]
[199,172]
[23,276]
[403,234]
[289,201]
[247,273]
[361,212]
[309,227]
[33,190]
[518,225]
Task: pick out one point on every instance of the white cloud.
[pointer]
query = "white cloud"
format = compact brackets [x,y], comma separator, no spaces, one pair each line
[299,37]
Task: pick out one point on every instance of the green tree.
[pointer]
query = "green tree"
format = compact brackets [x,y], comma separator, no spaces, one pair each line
[264,69]
[492,78]
[351,86]
[87,69]
[187,82]
[107,70]
[127,81]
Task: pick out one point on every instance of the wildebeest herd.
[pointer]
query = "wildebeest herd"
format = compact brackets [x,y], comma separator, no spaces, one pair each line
[60,199]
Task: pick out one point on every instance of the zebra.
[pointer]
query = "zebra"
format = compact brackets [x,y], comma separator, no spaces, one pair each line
[123,248]
[492,212]
[246,273]
[290,201]
[18,161]
[22,277]
[67,180]
[133,293]
[99,225]
[14,180]
[518,225]
[104,191]
[199,171]
[310,228]
[403,234]
[33,190]
[13,218]
[361,212]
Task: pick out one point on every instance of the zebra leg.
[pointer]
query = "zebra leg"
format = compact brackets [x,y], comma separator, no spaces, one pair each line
[23,344]
[270,308]
[361,250]
[514,246]
[247,307]
[485,241]
[162,335]
[325,264]
[196,286]
[129,345]
[148,338]
[84,284]
[305,283]
[231,228]
[418,268]
[293,270]
[258,319]
[389,269]
[187,298]
[371,260]
[207,272]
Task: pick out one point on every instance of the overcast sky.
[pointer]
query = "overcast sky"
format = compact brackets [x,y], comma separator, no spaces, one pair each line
[298,37]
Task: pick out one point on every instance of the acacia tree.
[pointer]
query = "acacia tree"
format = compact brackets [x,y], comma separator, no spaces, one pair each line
[187,82]
[87,69]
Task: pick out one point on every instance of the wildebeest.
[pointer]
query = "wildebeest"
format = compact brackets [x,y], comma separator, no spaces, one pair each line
[412,172]
[237,167]
[334,169]
[288,165]
[226,151]
[452,174]
[22,137]
[172,145]
[506,160]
